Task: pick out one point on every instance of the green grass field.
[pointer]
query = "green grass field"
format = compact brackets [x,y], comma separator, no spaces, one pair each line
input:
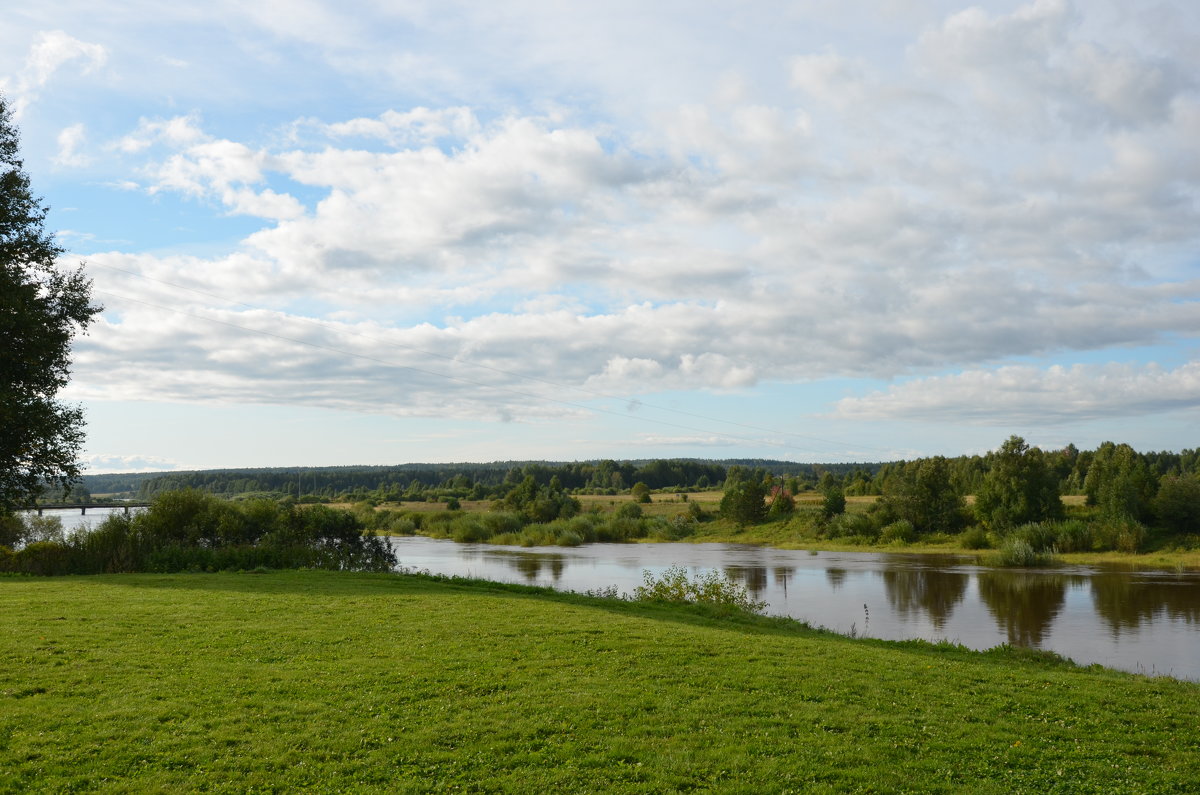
[324,682]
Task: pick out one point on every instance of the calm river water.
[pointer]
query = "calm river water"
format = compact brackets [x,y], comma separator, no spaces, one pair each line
[1147,622]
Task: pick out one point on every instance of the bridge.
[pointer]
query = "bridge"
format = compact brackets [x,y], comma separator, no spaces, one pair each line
[83,507]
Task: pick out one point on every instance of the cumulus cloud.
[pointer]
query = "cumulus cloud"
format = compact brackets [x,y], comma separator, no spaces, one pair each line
[70,142]
[51,50]
[994,185]
[1036,396]
[1031,63]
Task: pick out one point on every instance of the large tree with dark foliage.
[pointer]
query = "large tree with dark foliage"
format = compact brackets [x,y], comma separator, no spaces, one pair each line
[41,309]
[1020,486]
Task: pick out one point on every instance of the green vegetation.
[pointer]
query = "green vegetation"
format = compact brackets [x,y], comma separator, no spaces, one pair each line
[194,531]
[42,308]
[707,588]
[334,682]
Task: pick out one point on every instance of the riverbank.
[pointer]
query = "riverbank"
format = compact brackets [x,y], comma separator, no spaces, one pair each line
[323,681]
[693,518]
[777,536]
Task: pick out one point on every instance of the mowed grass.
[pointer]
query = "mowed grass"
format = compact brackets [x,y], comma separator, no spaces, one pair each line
[329,682]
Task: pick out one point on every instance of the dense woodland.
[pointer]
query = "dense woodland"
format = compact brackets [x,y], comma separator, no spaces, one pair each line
[1071,469]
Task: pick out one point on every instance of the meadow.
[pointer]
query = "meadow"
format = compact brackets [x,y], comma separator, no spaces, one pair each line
[332,681]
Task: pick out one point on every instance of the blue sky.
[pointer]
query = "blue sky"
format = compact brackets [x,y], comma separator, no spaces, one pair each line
[339,233]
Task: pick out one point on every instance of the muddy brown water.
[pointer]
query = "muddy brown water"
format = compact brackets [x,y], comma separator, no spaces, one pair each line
[1142,621]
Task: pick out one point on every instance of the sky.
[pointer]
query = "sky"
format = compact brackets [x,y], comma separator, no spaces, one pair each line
[361,232]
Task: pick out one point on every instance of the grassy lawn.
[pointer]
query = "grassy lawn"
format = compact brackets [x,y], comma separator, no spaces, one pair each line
[320,681]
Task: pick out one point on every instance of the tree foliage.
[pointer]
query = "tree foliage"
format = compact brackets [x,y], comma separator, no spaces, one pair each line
[41,310]
[538,503]
[743,502]
[1119,482]
[924,494]
[1177,504]
[1020,486]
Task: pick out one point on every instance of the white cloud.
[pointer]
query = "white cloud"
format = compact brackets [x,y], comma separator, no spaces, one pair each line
[416,126]
[622,200]
[1033,65]
[70,142]
[51,50]
[104,464]
[1023,394]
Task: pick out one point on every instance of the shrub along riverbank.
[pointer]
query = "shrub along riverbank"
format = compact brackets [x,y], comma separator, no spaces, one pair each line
[1078,538]
[193,531]
[323,681]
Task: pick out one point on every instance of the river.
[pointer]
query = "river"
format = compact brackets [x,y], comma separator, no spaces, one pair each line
[1142,621]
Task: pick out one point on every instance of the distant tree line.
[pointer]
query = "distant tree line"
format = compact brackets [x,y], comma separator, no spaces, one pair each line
[1017,489]
[419,482]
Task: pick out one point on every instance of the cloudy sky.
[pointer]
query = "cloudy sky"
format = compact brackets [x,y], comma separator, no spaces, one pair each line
[390,231]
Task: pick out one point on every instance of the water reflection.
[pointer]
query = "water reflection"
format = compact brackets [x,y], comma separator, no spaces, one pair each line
[911,592]
[1138,621]
[782,575]
[1125,603]
[531,564]
[1024,604]
[753,577]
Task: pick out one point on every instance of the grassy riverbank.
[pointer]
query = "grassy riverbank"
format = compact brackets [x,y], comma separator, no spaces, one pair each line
[672,518]
[323,681]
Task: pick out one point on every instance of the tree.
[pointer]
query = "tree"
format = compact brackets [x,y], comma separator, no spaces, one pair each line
[924,494]
[1020,486]
[743,502]
[1119,483]
[1177,504]
[834,502]
[41,310]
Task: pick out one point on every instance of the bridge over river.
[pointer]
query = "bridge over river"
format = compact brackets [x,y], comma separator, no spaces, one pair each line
[83,507]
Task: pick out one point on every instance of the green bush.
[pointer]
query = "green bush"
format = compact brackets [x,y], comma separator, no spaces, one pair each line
[898,532]
[630,510]
[470,529]
[1073,535]
[851,524]
[1018,552]
[44,558]
[1040,536]
[709,587]
[195,531]
[974,538]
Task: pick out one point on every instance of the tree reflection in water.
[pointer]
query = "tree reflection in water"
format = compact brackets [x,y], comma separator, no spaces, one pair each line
[915,591]
[835,577]
[753,577]
[1024,604]
[530,564]
[1125,603]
